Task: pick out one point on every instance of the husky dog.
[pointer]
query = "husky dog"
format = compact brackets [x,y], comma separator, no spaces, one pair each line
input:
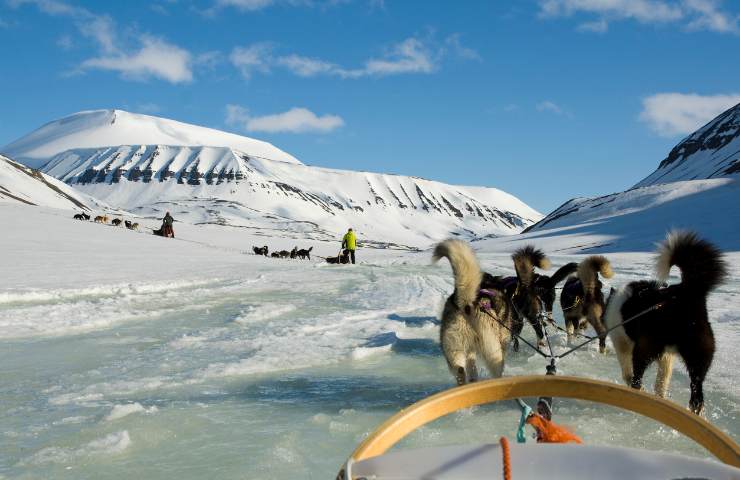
[101,219]
[304,254]
[116,222]
[524,296]
[582,300]
[470,321]
[294,253]
[275,255]
[679,323]
[82,216]
[260,250]
[545,285]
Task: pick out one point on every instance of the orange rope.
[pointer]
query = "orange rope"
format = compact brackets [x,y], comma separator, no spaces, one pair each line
[506,458]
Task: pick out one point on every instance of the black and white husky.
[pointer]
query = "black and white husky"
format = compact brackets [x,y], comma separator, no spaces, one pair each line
[472,324]
[525,299]
[680,324]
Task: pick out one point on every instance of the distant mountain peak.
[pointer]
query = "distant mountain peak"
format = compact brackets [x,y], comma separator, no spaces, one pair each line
[713,151]
[115,127]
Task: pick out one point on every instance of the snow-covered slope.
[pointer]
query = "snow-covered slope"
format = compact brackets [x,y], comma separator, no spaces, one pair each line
[229,185]
[712,151]
[696,187]
[103,128]
[226,186]
[19,183]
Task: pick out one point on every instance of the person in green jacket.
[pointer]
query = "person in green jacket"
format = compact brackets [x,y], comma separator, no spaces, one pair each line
[349,242]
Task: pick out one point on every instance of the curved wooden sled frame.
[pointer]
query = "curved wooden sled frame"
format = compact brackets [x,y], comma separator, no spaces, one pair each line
[488,391]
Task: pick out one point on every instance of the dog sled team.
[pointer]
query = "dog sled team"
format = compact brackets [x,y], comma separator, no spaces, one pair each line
[346,255]
[105,220]
[647,321]
[166,230]
[302,254]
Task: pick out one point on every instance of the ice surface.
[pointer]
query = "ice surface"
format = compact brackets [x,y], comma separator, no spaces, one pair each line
[259,368]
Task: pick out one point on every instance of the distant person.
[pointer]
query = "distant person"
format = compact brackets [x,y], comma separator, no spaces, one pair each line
[349,242]
[167,222]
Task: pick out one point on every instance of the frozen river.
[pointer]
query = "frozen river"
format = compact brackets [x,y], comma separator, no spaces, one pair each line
[277,369]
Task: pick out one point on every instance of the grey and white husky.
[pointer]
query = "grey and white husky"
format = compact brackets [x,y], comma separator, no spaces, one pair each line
[473,325]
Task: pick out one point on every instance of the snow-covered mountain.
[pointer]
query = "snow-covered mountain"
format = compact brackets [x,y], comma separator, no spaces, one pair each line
[19,183]
[206,176]
[696,187]
[104,128]
[713,151]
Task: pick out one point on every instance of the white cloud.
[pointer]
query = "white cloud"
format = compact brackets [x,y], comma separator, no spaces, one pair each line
[671,114]
[254,58]
[244,5]
[711,18]
[236,115]
[409,56]
[156,58]
[295,120]
[412,55]
[308,67]
[453,44]
[646,11]
[249,6]
[695,14]
[102,30]
[549,106]
[143,56]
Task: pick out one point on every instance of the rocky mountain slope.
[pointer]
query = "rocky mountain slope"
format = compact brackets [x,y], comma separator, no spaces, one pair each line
[696,187]
[713,151]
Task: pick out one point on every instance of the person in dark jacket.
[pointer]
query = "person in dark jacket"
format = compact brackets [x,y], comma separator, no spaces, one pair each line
[167,222]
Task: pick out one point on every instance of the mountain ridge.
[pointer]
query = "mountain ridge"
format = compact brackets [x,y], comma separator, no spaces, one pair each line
[231,186]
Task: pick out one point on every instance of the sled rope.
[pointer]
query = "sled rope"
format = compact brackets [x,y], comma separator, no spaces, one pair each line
[575,304]
[506,457]
[485,307]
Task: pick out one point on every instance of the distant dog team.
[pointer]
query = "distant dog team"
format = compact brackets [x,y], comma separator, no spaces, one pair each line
[647,321]
[302,254]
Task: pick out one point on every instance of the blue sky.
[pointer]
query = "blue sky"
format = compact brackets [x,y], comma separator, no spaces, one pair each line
[544,99]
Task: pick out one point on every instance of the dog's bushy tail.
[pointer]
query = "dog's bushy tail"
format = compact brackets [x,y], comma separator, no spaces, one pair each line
[701,263]
[563,272]
[465,268]
[525,260]
[589,270]
[310,248]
